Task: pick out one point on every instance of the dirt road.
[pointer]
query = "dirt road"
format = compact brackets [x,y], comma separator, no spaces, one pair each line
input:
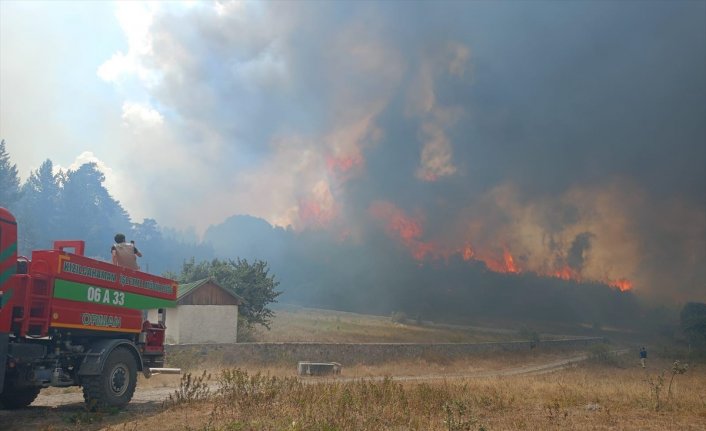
[547,367]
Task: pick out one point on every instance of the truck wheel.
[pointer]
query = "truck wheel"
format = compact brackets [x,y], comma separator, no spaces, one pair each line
[16,398]
[115,385]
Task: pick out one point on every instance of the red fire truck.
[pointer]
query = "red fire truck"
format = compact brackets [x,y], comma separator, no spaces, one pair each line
[68,320]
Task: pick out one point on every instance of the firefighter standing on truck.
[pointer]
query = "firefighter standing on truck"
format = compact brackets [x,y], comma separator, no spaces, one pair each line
[125,254]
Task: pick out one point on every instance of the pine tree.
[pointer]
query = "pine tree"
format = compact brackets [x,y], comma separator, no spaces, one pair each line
[37,209]
[89,212]
[9,180]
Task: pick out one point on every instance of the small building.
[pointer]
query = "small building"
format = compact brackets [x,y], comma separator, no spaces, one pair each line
[206,312]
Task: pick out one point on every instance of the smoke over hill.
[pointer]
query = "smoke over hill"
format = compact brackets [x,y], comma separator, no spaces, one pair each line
[539,139]
[378,275]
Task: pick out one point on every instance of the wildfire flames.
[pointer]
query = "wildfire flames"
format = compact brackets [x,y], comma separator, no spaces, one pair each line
[318,209]
[623,284]
[409,231]
[505,263]
[566,273]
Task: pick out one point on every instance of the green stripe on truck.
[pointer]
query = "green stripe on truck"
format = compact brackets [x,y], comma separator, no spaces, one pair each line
[8,251]
[9,272]
[73,291]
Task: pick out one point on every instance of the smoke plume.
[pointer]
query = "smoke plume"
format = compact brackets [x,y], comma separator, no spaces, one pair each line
[563,140]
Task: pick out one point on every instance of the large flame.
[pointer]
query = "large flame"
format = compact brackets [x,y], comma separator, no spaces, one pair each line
[406,229]
[319,208]
[409,232]
[498,262]
[467,252]
[509,262]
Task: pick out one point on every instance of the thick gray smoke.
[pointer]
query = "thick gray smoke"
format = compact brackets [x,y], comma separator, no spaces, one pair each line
[579,250]
[565,139]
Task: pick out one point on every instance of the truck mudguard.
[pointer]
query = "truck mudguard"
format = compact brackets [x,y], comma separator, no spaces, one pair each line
[94,360]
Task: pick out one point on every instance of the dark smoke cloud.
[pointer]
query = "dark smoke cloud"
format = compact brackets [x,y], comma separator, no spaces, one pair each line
[577,252]
[563,132]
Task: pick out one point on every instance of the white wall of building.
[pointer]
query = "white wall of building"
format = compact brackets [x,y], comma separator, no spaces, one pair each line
[195,324]
[207,324]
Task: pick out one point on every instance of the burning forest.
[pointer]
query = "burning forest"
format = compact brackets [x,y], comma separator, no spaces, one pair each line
[465,157]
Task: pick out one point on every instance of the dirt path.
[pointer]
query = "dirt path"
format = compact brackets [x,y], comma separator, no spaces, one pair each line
[52,410]
[547,367]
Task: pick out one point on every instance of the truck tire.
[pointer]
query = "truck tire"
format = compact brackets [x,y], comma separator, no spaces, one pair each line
[17,398]
[115,385]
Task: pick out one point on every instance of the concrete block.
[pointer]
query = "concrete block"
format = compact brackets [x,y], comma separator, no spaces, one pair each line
[306,368]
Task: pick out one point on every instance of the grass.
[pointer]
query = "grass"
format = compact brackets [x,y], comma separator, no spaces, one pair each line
[297,324]
[595,396]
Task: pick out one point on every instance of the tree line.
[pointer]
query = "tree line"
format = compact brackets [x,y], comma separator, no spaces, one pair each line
[74,204]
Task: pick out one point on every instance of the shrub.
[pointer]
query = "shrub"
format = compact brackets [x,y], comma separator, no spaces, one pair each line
[191,389]
[399,317]
[677,368]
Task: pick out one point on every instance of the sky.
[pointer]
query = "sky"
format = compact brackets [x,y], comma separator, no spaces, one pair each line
[569,136]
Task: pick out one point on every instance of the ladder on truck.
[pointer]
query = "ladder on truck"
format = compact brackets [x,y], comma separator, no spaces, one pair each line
[36,305]
[35,318]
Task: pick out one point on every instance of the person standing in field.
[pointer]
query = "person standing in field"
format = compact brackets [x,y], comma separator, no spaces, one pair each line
[125,254]
[643,356]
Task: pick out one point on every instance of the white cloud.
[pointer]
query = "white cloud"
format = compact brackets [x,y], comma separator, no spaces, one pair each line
[135,19]
[224,8]
[136,115]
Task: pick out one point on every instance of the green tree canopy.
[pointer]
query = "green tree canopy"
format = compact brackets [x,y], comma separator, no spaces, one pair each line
[88,211]
[251,281]
[9,180]
[41,196]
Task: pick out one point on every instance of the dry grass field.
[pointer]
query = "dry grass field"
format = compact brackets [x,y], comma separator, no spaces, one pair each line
[593,396]
[292,324]
[484,391]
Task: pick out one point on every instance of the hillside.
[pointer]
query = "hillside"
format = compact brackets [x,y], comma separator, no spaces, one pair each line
[299,324]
